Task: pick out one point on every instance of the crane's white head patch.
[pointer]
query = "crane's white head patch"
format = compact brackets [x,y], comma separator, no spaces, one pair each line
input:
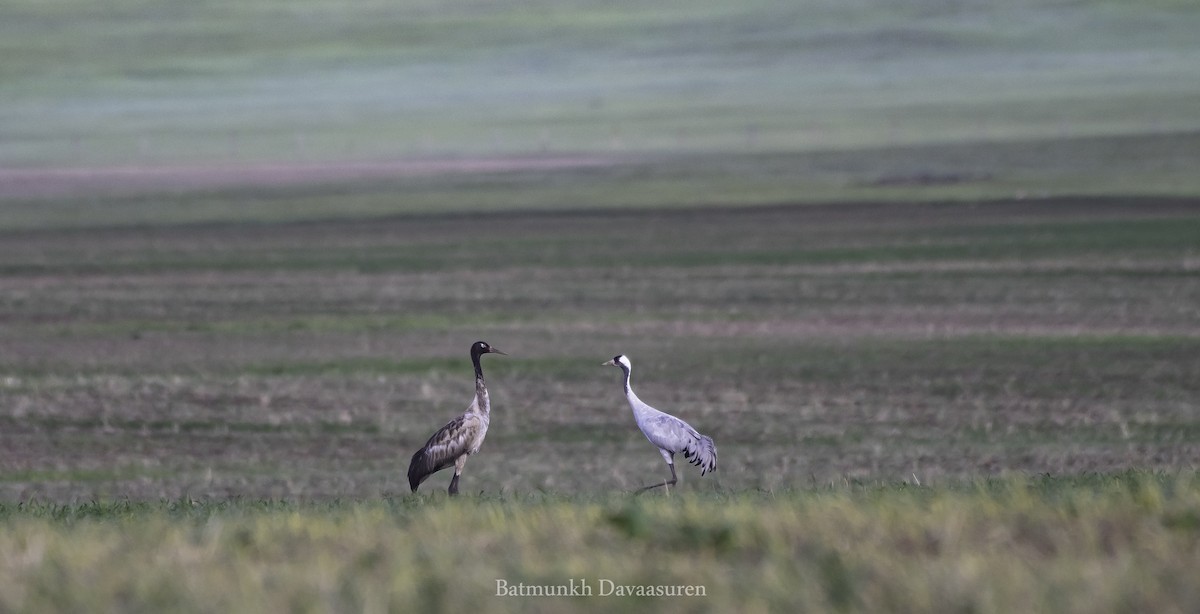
[618,361]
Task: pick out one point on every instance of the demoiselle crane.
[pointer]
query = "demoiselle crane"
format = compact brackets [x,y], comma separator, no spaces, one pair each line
[453,443]
[671,435]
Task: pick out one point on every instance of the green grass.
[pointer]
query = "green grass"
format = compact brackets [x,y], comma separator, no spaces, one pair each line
[1135,166]
[988,407]
[942,340]
[1037,543]
[752,236]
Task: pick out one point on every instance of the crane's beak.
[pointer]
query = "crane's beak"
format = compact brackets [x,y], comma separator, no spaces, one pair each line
[495,351]
[609,364]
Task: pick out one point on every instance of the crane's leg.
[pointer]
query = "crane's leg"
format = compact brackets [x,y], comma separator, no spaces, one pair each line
[670,458]
[458,467]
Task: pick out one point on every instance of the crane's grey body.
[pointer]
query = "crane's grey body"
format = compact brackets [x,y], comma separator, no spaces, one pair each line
[461,437]
[670,434]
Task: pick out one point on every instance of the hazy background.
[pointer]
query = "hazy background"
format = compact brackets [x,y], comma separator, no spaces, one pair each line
[797,101]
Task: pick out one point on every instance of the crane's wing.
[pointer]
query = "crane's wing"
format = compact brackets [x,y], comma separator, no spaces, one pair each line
[675,435]
[446,445]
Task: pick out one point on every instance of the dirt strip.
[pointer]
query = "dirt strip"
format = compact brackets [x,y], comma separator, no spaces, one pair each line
[52,182]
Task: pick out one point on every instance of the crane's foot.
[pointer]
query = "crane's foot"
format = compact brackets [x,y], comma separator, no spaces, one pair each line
[667,484]
[453,490]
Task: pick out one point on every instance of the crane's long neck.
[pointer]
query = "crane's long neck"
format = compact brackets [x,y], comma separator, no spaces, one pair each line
[482,401]
[628,389]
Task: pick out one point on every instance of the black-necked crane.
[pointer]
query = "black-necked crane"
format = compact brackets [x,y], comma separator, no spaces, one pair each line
[671,435]
[453,443]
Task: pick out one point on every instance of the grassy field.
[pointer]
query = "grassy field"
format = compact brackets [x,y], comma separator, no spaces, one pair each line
[985,406]
[928,273]
[815,343]
[1127,542]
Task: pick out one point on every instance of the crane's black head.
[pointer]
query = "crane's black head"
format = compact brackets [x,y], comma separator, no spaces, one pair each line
[481,347]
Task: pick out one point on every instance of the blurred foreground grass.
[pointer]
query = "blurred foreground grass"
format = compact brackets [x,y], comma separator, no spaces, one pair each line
[1091,543]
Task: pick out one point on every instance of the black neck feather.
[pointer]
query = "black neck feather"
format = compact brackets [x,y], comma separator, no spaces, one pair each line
[475,354]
